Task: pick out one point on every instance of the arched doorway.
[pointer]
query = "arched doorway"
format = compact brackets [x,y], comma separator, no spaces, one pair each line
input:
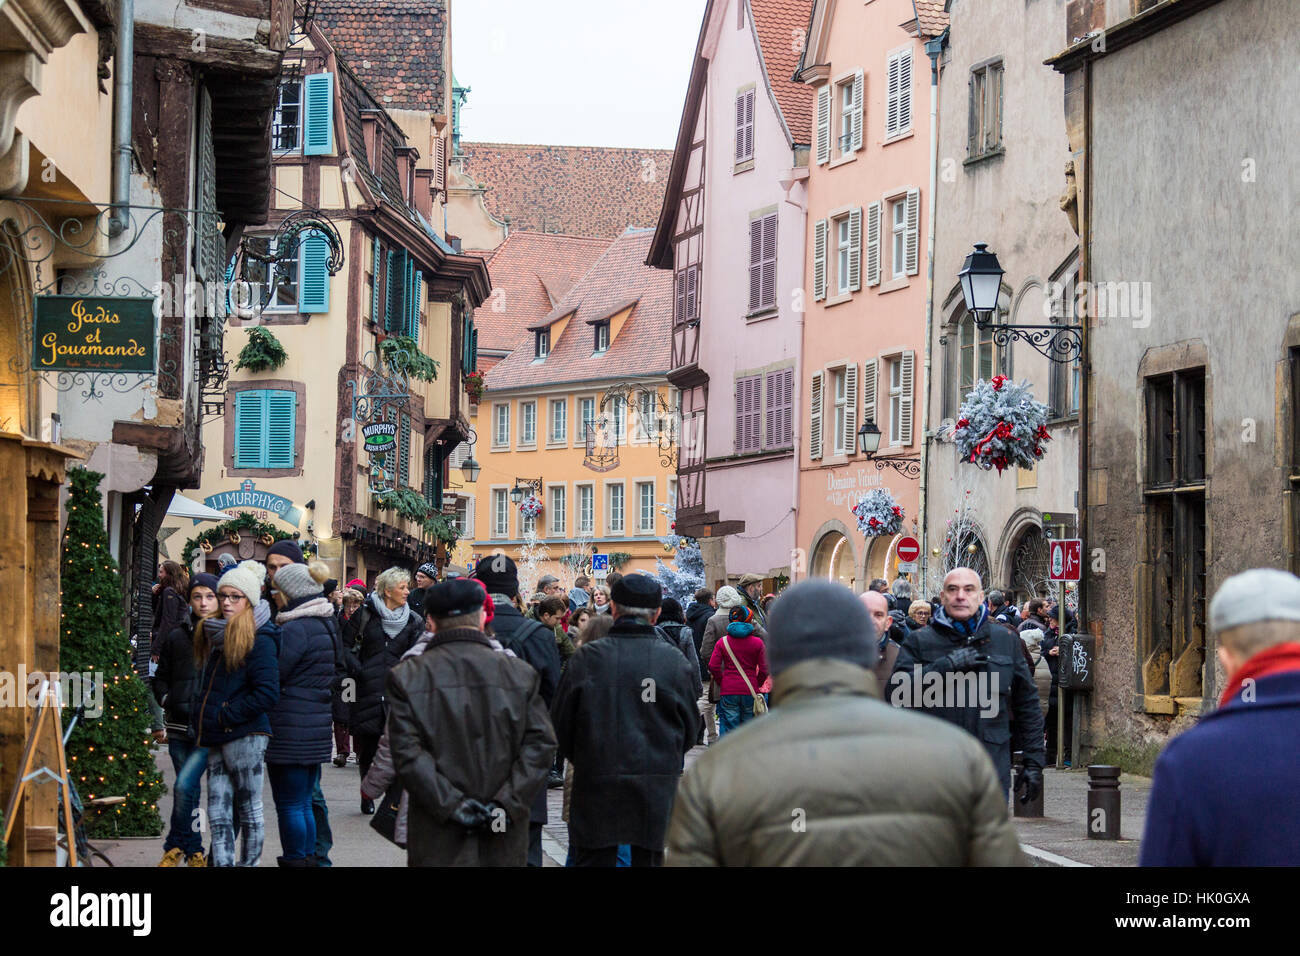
[1029,564]
[833,559]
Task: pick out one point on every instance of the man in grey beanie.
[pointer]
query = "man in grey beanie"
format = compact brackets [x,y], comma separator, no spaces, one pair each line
[846,779]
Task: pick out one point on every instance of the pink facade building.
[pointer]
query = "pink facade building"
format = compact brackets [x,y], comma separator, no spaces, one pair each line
[732,230]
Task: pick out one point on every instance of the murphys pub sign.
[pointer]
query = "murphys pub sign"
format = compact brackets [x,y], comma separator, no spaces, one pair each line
[93,333]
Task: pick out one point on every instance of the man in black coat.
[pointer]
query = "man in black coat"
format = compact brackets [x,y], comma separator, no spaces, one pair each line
[976,669]
[625,715]
[529,641]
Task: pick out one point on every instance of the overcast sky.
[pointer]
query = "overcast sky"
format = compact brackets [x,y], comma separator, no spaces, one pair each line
[574,72]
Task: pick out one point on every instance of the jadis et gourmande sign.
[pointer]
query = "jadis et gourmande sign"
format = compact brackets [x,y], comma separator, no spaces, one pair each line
[93,333]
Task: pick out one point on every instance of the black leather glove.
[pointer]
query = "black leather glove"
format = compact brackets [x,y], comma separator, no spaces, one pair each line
[470,814]
[966,659]
[1031,784]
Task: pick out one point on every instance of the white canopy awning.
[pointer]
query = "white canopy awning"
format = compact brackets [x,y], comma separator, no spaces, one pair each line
[182,507]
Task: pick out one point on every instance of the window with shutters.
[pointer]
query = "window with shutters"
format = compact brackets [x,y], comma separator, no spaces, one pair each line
[433,458]
[845,97]
[586,508]
[749,414]
[527,423]
[686,304]
[744,129]
[318,114]
[614,508]
[286,123]
[848,107]
[815,401]
[558,514]
[559,420]
[646,425]
[501,425]
[282,276]
[778,409]
[823,124]
[458,455]
[841,394]
[762,264]
[1173,634]
[396,284]
[898,93]
[500,513]
[404,451]
[984,134]
[265,430]
[645,500]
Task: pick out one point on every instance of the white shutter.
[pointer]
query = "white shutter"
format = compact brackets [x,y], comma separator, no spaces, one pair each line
[815,418]
[824,124]
[891,96]
[819,259]
[858,83]
[470,531]
[904,91]
[850,407]
[458,455]
[873,243]
[911,254]
[869,391]
[855,249]
[905,404]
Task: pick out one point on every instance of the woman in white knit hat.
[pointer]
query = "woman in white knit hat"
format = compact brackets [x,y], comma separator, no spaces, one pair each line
[238,685]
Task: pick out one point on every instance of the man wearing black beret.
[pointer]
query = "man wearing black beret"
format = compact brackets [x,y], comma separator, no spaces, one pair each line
[470,738]
[625,715]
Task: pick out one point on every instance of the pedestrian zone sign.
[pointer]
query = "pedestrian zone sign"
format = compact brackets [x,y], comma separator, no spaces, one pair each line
[1065,559]
[600,565]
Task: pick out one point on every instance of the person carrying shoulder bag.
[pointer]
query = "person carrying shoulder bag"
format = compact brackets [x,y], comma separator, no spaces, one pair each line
[736,656]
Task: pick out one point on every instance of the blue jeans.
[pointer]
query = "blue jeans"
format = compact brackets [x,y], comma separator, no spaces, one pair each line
[624,855]
[324,835]
[734,710]
[292,786]
[190,763]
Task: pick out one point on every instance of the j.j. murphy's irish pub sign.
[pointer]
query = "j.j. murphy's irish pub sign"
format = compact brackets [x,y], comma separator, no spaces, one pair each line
[99,333]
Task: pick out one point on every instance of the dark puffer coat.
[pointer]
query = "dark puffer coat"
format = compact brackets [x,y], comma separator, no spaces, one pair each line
[373,654]
[625,715]
[229,705]
[680,636]
[301,731]
[468,721]
[175,680]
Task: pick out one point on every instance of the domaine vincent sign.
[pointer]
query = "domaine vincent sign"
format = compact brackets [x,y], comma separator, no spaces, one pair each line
[77,332]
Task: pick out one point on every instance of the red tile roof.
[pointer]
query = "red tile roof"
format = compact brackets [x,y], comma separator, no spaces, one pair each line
[779,23]
[574,190]
[642,347]
[930,17]
[394,46]
[533,271]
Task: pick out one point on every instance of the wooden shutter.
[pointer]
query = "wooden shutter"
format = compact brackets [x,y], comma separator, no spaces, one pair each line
[820,228]
[749,125]
[974,135]
[859,82]
[767,280]
[778,432]
[873,243]
[815,418]
[869,392]
[850,407]
[904,91]
[250,415]
[745,400]
[404,453]
[824,124]
[417,281]
[740,127]
[692,293]
[318,114]
[891,97]
[755,264]
[679,298]
[855,249]
[905,404]
[440,164]
[377,288]
[281,419]
[314,284]
[745,126]
[911,237]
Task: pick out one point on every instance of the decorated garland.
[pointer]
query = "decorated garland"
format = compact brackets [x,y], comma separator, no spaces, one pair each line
[878,513]
[1001,424]
[246,522]
[531,506]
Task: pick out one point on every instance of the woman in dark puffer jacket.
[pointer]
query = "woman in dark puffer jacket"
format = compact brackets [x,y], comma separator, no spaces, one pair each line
[378,635]
[300,722]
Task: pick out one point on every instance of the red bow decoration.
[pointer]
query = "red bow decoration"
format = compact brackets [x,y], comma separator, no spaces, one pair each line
[963,422]
[998,381]
[898,511]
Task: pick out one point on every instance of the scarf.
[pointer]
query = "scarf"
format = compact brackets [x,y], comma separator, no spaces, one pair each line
[215,628]
[740,629]
[261,614]
[391,621]
[1277,659]
[967,628]
[314,607]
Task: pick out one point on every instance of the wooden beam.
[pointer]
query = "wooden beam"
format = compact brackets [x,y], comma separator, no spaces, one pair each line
[157,437]
[246,56]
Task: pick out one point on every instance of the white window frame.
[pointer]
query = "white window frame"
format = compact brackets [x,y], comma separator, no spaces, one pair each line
[272,270]
[553,511]
[621,510]
[542,345]
[844,141]
[840,397]
[563,436]
[500,440]
[276,112]
[465,521]
[898,237]
[584,524]
[641,526]
[579,430]
[602,331]
[895,364]
[525,439]
[843,253]
[500,521]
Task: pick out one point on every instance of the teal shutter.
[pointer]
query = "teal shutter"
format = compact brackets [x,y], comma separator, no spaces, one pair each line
[250,414]
[398,278]
[318,114]
[378,282]
[404,452]
[281,419]
[314,286]
[417,280]
[473,349]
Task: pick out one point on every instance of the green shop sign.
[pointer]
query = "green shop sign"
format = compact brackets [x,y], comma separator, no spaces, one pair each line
[77,332]
[379,437]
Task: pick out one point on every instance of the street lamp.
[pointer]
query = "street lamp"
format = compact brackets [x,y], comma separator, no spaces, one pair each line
[869,444]
[981,281]
[524,486]
[470,468]
[981,284]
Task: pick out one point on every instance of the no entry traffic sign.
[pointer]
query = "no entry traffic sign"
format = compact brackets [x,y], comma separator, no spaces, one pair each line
[909,549]
[1066,559]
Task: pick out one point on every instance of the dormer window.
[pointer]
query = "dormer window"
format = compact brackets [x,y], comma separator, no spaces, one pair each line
[543,346]
[602,336]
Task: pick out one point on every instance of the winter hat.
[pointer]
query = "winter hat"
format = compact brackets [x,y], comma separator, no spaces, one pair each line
[358,584]
[1260,594]
[247,577]
[428,569]
[295,581]
[287,548]
[638,591]
[741,615]
[208,581]
[225,562]
[498,574]
[330,586]
[751,578]
[671,611]
[729,597]
[489,609]
[819,619]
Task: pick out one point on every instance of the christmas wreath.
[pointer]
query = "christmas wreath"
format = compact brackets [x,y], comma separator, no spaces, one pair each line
[531,506]
[878,513]
[1001,425]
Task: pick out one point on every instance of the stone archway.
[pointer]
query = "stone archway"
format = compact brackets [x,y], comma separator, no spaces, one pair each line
[833,556]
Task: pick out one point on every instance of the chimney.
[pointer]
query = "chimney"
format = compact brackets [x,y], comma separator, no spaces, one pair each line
[373,130]
[424,193]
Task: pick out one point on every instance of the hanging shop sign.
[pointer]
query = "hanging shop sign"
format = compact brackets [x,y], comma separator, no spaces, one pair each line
[379,437]
[248,497]
[99,333]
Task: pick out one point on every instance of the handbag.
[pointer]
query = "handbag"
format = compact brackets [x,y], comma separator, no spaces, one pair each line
[760,704]
[384,822]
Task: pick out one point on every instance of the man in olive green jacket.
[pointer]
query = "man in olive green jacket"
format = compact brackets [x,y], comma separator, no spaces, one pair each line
[834,776]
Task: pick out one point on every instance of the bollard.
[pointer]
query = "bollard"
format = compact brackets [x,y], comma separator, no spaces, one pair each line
[1103,802]
[1034,808]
